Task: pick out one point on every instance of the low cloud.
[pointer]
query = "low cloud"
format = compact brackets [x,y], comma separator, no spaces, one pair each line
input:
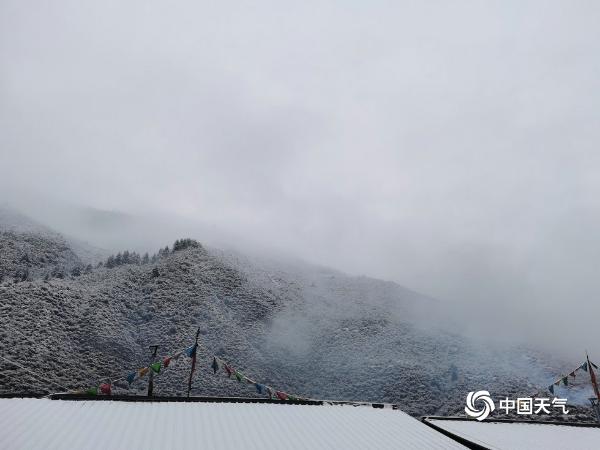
[448,147]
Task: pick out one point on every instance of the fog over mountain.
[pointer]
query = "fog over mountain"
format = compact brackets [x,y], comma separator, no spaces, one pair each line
[446,147]
[81,320]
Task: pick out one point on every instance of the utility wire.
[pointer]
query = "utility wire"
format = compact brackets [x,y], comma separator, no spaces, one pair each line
[35,343]
[33,374]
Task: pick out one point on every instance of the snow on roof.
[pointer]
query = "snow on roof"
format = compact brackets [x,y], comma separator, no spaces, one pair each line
[83,424]
[520,435]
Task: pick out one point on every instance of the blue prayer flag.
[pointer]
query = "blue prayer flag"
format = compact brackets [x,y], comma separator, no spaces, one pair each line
[191,351]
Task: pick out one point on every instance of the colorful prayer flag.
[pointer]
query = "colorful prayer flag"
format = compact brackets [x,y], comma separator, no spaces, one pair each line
[565,381]
[166,362]
[260,388]
[156,367]
[215,364]
[584,366]
[131,377]
[92,391]
[551,388]
[572,374]
[281,395]
[142,372]
[239,376]
[230,371]
[292,397]
[191,351]
[105,388]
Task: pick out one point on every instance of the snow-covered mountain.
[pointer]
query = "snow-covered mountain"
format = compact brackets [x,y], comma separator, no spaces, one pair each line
[306,329]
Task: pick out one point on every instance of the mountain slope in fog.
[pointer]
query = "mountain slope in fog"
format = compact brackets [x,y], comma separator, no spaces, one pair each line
[305,329]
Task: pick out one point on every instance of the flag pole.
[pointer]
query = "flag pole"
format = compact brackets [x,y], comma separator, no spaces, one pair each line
[593,377]
[193,355]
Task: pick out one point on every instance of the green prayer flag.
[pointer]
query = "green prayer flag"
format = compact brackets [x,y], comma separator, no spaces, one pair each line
[156,367]
[92,391]
[239,376]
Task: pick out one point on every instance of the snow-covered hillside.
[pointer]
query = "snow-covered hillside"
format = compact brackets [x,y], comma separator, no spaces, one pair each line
[302,328]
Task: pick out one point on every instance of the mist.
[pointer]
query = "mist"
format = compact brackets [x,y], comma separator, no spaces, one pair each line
[449,147]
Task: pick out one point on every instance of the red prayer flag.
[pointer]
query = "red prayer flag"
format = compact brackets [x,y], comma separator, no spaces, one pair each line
[105,388]
[166,362]
[281,395]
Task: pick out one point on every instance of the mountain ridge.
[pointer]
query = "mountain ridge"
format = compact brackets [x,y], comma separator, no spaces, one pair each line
[305,329]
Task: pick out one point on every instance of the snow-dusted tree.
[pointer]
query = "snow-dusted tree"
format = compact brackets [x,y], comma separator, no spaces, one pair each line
[134,258]
[22,275]
[182,244]
[58,272]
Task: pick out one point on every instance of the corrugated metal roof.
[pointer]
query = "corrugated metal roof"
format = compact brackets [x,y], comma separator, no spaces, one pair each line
[63,424]
[520,435]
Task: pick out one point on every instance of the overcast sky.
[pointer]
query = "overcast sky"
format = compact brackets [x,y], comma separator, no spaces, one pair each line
[449,146]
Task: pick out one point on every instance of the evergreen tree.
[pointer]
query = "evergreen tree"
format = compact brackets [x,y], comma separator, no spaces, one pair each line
[134,258]
[145,258]
[182,244]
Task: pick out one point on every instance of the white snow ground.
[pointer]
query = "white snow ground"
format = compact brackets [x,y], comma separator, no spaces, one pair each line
[522,436]
[85,425]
